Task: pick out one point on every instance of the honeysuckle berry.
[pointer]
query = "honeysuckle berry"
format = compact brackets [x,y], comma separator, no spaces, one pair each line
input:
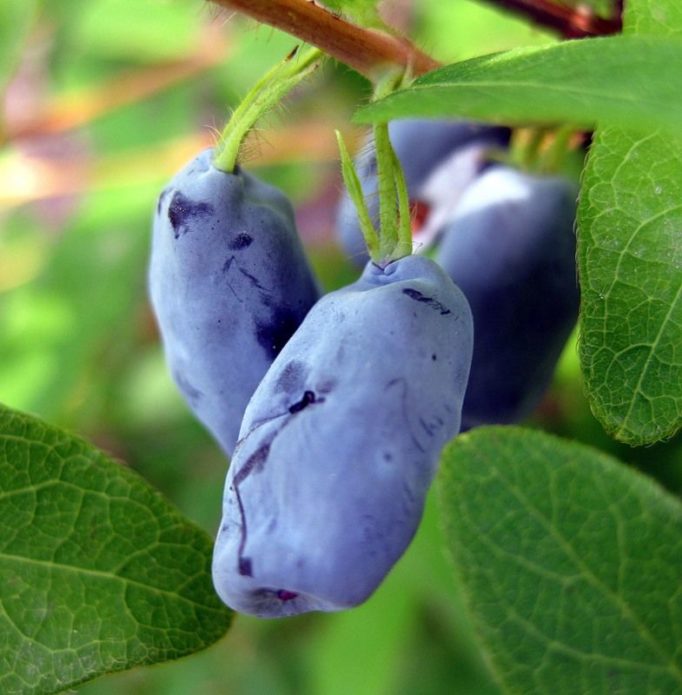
[229,283]
[340,442]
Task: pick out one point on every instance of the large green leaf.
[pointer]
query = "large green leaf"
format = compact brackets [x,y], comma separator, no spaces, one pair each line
[629,81]
[98,573]
[630,256]
[571,564]
[653,17]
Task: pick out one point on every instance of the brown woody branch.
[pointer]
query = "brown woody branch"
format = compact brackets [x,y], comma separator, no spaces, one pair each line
[364,50]
[572,23]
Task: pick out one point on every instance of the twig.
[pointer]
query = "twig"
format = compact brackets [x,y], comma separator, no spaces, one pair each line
[362,49]
[77,110]
[569,22]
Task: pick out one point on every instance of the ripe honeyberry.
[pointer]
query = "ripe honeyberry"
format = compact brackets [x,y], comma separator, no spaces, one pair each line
[229,283]
[340,442]
[510,247]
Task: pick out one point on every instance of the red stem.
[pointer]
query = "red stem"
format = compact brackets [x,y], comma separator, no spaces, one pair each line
[570,23]
[362,49]
[365,50]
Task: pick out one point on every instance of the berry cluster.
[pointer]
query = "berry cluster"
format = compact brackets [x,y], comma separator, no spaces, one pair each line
[505,237]
[334,410]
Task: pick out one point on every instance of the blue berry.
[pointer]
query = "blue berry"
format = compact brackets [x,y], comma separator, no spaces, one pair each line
[340,442]
[229,284]
[510,247]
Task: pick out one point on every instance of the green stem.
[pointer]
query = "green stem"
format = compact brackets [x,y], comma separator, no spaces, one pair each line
[394,238]
[393,198]
[388,212]
[552,159]
[352,182]
[261,98]
[404,245]
[525,147]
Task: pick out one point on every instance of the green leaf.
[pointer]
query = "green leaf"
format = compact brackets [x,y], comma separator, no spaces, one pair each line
[655,17]
[570,561]
[98,573]
[630,257]
[616,80]
[16,17]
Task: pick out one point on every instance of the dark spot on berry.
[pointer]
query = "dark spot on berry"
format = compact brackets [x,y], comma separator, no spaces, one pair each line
[292,377]
[241,241]
[252,279]
[254,464]
[284,595]
[429,301]
[273,335]
[308,398]
[433,357]
[430,428]
[228,264]
[182,211]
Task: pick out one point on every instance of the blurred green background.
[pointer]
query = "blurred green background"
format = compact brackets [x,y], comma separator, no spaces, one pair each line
[102,102]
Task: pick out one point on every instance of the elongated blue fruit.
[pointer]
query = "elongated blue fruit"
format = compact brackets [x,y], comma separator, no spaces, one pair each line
[421,146]
[510,247]
[340,442]
[229,284]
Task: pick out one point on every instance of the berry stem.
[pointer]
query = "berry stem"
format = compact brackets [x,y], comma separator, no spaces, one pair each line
[388,212]
[394,204]
[364,50]
[552,157]
[393,240]
[525,147]
[571,23]
[404,245]
[352,183]
[262,97]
